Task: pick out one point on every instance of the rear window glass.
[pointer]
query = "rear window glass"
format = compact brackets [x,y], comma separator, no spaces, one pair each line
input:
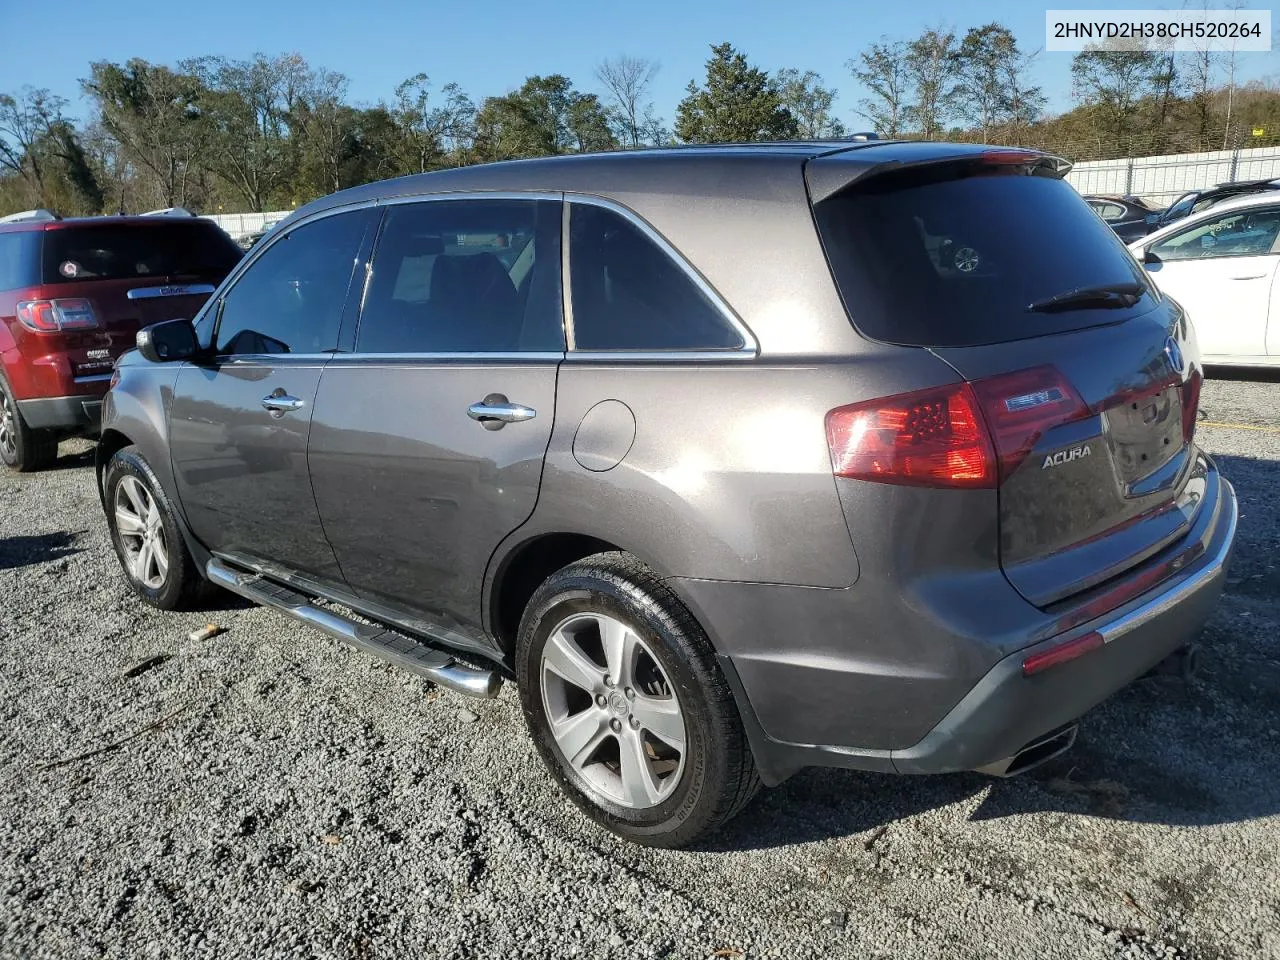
[953,262]
[19,259]
[120,251]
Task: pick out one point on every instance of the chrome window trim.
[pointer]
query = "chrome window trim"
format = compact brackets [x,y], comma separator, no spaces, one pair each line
[750,346]
[658,356]
[380,359]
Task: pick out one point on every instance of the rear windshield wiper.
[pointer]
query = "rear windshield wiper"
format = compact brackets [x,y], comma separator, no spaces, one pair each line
[1114,295]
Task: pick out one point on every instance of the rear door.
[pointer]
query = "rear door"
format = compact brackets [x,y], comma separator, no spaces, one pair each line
[428,441]
[1221,270]
[1086,378]
[132,273]
[240,423]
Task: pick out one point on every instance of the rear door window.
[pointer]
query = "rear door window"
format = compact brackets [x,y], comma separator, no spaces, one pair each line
[119,251]
[465,276]
[629,294]
[937,258]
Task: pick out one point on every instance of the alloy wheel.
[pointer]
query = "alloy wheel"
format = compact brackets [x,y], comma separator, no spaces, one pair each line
[612,711]
[142,535]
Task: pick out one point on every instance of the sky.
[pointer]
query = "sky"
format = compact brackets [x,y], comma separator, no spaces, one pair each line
[489,47]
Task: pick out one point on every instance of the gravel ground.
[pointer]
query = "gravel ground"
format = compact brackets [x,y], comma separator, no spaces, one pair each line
[268,792]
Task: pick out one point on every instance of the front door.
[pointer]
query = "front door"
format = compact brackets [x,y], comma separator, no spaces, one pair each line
[428,441]
[1221,270]
[240,423]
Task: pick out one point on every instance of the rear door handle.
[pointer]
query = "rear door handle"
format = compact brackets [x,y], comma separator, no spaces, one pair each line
[277,401]
[1249,276]
[495,410]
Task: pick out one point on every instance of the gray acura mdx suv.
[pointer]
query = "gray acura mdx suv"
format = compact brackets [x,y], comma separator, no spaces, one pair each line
[735,459]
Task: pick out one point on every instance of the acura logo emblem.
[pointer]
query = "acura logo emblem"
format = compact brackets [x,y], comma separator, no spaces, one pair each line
[1174,353]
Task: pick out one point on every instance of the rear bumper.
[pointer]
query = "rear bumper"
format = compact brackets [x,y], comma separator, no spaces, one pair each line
[1004,712]
[62,413]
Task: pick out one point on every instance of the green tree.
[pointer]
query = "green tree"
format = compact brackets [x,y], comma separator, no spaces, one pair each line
[993,89]
[152,112]
[738,103]
[432,136]
[545,117]
[41,150]
[882,69]
[931,70]
[809,102]
[1113,84]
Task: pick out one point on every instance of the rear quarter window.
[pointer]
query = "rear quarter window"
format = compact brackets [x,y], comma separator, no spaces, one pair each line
[19,259]
[937,259]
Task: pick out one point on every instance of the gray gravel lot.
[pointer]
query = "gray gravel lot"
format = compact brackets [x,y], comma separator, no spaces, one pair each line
[268,792]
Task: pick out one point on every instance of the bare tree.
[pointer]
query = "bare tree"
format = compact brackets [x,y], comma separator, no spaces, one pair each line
[626,81]
[25,120]
[882,69]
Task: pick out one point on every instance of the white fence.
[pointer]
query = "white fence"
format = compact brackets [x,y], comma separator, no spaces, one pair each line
[1165,178]
[239,224]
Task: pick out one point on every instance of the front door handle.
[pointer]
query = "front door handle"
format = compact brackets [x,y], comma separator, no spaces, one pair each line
[279,402]
[495,411]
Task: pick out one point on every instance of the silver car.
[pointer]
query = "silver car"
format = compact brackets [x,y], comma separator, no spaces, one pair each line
[734,459]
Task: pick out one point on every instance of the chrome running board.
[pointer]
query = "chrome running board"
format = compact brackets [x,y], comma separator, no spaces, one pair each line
[398,649]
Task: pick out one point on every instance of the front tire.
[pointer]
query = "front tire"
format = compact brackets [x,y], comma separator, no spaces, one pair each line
[626,705]
[146,535]
[22,449]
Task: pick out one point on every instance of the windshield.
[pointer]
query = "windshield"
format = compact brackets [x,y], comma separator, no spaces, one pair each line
[117,251]
[954,261]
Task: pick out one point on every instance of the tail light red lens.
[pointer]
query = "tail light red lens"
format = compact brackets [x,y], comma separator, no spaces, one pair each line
[1062,653]
[1020,407]
[961,435]
[52,316]
[932,438]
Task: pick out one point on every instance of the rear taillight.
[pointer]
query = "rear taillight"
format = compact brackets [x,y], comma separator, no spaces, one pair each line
[1190,405]
[961,435]
[1020,407]
[931,438]
[52,316]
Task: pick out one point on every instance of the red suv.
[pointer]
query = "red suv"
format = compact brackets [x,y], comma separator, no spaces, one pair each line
[72,295]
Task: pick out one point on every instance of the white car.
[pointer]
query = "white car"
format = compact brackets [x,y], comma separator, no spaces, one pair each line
[1220,264]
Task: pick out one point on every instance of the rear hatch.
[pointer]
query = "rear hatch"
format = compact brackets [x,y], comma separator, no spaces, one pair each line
[1086,379]
[129,273]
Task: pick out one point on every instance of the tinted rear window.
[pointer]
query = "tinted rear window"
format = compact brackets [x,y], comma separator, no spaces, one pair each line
[120,251]
[950,262]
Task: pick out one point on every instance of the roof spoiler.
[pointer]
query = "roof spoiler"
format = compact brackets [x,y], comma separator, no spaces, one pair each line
[39,214]
[169,212]
[829,174]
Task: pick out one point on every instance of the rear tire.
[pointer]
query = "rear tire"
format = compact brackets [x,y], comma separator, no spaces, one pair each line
[627,706]
[22,449]
[147,537]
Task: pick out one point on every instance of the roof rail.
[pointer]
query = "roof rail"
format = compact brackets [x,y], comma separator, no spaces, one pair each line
[39,214]
[169,212]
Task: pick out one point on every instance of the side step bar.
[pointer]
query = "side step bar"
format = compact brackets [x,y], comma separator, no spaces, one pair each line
[395,648]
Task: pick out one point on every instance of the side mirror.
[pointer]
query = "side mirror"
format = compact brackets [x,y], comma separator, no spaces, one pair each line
[168,341]
[1149,256]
